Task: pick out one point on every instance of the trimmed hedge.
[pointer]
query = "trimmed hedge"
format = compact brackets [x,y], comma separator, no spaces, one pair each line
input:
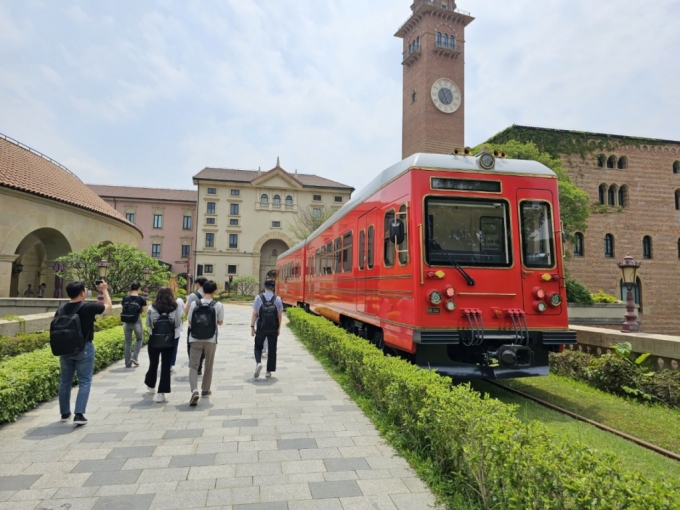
[477,442]
[29,379]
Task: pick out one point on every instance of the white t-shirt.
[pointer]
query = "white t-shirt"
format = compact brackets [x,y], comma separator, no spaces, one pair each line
[180,306]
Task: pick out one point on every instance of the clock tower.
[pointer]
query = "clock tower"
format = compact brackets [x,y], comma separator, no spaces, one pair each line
[434,77]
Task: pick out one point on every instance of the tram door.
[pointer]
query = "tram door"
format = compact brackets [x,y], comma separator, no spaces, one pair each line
[366,262]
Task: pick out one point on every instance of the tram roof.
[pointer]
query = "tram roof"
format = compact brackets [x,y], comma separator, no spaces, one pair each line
[430,161]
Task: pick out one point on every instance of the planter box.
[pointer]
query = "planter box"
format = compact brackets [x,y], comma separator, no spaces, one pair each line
[599,313]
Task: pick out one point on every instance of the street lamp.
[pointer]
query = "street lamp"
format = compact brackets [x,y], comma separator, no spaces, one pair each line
[147,275]
[628,272]
[103,270]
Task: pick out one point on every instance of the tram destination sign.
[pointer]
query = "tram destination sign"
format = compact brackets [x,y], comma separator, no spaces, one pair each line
[466,185]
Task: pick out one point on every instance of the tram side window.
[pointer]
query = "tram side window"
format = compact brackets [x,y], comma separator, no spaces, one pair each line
[329,258]
[371,247]
[322,269]
[338,255]
[538,247]
[318,262]
[403,247]
[347,252]
[389,247]
[362,247]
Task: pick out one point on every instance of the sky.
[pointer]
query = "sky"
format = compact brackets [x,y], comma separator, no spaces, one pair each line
[148,93]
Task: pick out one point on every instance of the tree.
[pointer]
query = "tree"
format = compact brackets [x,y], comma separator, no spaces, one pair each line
[574,202]
[127,264]
[245,285]
[307,221]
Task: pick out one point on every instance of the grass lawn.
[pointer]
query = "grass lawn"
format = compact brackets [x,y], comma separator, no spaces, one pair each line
[659,423]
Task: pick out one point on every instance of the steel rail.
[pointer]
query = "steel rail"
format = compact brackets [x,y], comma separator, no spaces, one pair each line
[601,426]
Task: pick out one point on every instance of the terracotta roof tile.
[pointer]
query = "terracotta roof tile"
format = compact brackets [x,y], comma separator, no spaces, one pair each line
[166,195]
[230,175]
[25,170]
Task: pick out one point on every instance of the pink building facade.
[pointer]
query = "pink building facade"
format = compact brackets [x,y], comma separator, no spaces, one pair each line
[167,218]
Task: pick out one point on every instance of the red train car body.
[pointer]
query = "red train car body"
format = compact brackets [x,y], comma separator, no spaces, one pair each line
[454,262]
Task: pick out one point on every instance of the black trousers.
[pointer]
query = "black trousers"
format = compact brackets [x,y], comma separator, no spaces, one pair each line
[165,356]
[259,344]
[200,363]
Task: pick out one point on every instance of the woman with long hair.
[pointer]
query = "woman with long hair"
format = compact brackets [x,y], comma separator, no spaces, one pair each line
[163,318]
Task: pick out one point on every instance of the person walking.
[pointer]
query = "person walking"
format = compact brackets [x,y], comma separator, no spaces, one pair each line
[133,307]
[204,317]
[178,335]
[81,364]
[28,291]
[265,324]
[195,297]
[163,317]
[41,290]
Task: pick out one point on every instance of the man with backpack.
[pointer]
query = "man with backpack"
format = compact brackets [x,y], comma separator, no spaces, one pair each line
[195,297]
[204,317]
[71,335]
[133,307]
[265,323]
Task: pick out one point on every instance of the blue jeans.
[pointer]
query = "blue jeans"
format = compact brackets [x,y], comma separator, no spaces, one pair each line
[83,365]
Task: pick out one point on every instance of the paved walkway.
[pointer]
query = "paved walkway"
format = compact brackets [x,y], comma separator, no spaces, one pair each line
[294,442]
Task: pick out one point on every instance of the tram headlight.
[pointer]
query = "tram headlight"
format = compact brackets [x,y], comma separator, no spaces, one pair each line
[435,297]
[555,299]
[538,292]
[540,306]
[450,291]
[450,305]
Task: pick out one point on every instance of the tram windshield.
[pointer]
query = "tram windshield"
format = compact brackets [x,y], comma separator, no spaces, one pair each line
[470,232]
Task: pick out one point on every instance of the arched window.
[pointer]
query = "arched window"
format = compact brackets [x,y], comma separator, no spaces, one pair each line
[611,195]
[277,200]
[289,201]
[611,162]
[677,199]
[601,161]
[676,167]
[275,253]
[602,192]
[678,249]
[578,244]
[418,43]
[623,163]
[623,196]
[646,247]
[439,38]
[452,43]
[609,246]
[445,40]
[264,199]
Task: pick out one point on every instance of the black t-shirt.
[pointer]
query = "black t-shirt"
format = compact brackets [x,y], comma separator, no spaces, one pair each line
[140,300]
[87,314]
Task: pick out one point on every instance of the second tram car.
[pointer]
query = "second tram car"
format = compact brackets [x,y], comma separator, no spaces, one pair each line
[454,262]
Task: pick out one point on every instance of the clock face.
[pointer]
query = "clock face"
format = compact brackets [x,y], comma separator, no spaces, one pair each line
[446,95]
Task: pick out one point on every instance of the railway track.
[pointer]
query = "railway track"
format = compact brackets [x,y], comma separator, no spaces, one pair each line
[601,426]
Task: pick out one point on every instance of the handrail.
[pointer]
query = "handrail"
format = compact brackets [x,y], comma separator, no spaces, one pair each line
[33,151]
[455,47]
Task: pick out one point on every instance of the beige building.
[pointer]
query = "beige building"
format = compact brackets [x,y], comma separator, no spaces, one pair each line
[244,217]
[47,212]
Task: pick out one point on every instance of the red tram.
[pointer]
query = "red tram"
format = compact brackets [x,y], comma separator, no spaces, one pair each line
[454,262]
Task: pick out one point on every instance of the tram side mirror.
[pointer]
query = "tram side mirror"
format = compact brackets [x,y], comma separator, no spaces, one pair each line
[397,231]
[564,235]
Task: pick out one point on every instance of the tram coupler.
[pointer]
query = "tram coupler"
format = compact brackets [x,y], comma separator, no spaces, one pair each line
[513,356]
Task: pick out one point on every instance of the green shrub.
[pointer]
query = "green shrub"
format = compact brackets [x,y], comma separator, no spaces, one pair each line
[601,297]
[477,442]
[105,322]
[577,292]
[29,379]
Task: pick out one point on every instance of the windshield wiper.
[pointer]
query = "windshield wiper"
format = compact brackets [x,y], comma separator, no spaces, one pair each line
[470,281]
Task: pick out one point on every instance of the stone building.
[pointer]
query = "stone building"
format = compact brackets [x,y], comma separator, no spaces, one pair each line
[167,218]
[634,187]
[244,217]
[47,212]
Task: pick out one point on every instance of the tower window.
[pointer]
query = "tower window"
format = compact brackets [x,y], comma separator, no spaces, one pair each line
[439,38]
[578,244]
[414,96]
[445,40]
[609,246]
[623,196]
[676,167]
[602,191]
[601,161]
[611,195]
[677,199]
[623,163]
[611,162]
[646,247]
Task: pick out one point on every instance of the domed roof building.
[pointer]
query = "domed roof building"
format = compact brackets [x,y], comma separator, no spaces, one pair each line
[46,212]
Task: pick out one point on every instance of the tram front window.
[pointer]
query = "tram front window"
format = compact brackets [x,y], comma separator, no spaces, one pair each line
[469,232]
[537,235]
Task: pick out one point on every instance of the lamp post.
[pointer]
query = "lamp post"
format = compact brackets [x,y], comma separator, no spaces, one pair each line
[628,271]
[147,275]
[103,270]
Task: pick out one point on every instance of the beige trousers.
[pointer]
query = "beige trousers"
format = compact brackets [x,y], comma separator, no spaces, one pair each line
[198,348]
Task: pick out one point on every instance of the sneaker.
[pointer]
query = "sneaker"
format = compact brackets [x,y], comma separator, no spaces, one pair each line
[268,375]
[172,368]
[258,369]
[134,362]
[150,390]
[79,419]
[65,417]
[194,398]
[160,397]
[128,366]
[206,393]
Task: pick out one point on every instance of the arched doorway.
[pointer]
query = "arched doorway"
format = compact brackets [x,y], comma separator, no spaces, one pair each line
[268,255]
[36,254]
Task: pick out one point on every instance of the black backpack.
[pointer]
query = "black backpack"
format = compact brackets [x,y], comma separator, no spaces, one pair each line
[203,321]
[131,311]
[66,335]
[162,332]
[268,316]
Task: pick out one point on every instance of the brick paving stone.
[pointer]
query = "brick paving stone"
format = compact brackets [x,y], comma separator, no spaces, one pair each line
[292,442]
